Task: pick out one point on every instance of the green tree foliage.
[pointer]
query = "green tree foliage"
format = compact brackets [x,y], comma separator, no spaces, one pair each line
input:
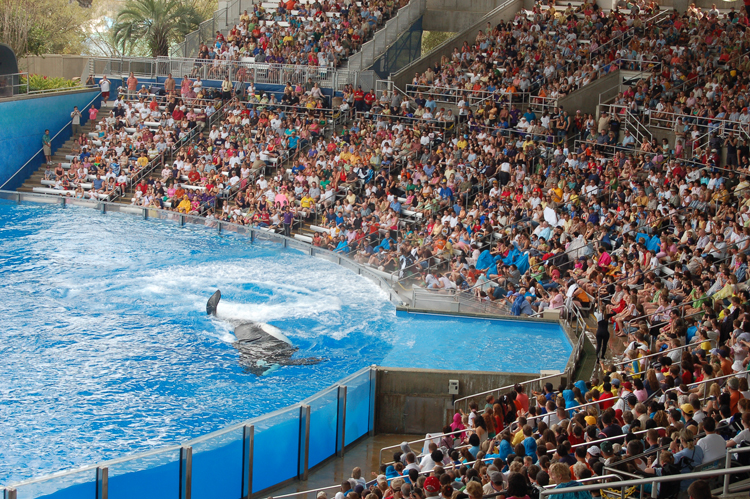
[431,39]
[159,23]
[38,27]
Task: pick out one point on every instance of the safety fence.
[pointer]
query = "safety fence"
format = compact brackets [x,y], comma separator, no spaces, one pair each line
[237,461]
[244,70]
[15,84]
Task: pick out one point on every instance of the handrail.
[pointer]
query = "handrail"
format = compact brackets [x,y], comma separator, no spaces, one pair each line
[455,402]
[664,323]
[728,466]
[623,362]
[704,381]
[655,479]
[607,439]
[418,441]
[579,406]
[304,492]
[41,149]
[590,479]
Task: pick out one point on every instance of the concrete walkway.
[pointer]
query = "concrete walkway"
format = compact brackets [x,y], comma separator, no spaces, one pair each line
[364,454]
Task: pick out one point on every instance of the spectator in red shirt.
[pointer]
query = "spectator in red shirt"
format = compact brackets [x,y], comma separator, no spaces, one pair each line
[606,400]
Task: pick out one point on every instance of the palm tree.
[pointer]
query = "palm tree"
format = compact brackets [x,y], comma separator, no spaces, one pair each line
[159,22]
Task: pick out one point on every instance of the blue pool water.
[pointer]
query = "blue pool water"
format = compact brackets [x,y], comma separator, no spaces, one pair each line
[107,351]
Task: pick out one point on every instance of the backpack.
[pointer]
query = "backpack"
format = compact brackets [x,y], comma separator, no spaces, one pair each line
[670,489]
[743,457]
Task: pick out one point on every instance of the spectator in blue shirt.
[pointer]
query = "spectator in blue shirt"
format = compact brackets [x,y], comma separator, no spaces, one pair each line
[396,205]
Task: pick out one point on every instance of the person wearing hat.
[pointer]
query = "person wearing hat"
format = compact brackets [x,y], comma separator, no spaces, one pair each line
[607,452]
[593,455]
[432,486]
[687,415]
[496,483]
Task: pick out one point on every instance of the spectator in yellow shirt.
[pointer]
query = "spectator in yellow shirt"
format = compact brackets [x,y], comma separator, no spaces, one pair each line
[185,206]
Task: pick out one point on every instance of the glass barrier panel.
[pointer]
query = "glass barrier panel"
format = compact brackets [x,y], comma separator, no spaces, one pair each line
[275,448]
[72,485]
[323,418]
[151,476]
[357,407]
[217,464]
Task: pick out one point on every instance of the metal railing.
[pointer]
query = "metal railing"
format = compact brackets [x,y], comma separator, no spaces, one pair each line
[725,490]
[453,95]
[706,381]
[437,435]
[498,390]
[651,355]
[387,36]
[15,84]
[656,479]
[217,70]
[607,439]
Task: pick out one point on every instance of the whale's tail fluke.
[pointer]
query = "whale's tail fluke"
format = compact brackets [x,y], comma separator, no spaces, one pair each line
[213,302]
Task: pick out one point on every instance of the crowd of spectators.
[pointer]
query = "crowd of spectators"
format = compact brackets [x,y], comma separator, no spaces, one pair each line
[499,214]
[643,426]
[542,55]
[104,163]
[697,89]
[501,205]
[307,33]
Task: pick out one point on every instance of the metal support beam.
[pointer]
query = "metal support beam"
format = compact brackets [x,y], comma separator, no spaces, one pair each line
[304,442]
[145,214]
[102,482]
[104,207]
[182,220]
[62,201]
[248,442]
[341,422]
[373,393]
[10,494]
[218,227]
[186,472]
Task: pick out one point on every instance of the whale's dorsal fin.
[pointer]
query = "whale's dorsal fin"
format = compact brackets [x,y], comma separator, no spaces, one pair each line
[213,302]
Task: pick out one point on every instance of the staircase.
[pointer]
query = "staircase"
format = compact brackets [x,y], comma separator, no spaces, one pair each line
[59,156]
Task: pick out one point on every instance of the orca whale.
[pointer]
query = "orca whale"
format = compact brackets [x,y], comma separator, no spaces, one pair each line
[263,348]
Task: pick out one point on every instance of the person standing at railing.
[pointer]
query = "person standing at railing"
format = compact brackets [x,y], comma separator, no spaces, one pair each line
[170,86]
[47,147]
[132,85]
[104,85]
[75,118]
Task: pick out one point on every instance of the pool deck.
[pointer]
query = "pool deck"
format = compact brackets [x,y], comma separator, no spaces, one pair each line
[364,453]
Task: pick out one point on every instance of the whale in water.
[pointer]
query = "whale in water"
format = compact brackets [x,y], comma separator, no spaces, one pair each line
[263,348]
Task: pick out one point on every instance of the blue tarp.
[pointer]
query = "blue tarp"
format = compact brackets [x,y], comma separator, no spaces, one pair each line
[487,262]
[651,242]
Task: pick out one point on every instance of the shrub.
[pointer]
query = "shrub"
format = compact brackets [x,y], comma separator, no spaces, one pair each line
[39,82]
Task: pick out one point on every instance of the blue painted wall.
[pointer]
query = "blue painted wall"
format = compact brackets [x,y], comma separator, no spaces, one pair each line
[22,125]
